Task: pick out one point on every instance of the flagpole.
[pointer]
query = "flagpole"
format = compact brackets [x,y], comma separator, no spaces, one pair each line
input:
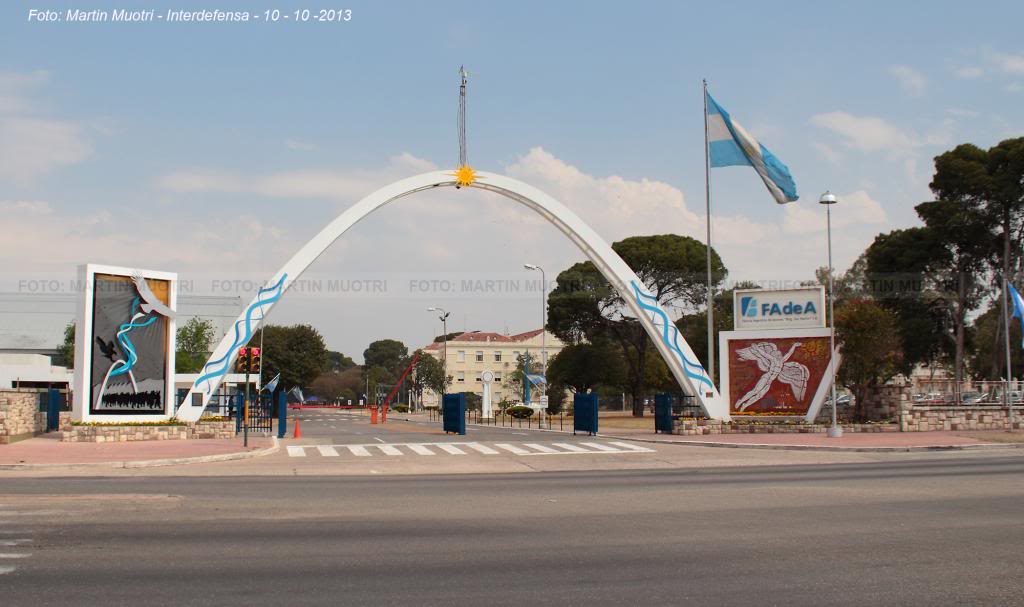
[707,202]
[1006,335]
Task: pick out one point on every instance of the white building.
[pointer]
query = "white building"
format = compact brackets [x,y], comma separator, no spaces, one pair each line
[472,353]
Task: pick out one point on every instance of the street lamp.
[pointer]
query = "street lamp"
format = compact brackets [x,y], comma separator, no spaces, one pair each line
[828,199]
[543,327]
[444,327]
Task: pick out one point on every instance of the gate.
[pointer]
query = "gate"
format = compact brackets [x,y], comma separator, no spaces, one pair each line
[261,409]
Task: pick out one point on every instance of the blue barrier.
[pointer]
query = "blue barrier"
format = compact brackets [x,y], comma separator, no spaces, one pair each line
[282,414]
[663,413]
[453,408]
[584,414]
[53,406]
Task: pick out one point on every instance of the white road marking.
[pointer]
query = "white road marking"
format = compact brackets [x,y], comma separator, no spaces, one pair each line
[14,542]
[482,448]
[570,447]
[14,555]
[421,450]
[6,570]
[389,450]
[296,451]
[512,448]
[601,447]
[327,451]
[636,448]
[451,449]
[378,439]
[541,448]
[359,451]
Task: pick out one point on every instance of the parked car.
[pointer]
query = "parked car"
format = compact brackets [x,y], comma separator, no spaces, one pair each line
[971,398]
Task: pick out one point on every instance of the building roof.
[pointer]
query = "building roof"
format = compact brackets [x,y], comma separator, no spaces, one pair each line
[485,337]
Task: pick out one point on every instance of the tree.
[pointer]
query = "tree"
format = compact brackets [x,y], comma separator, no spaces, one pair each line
[988,359]
[66,351]
[336,361]
[192,345]
[867,336]
[584,306]
[329,386]
[583,367]
[694,326]
[517,378]
[297,352]
[379,381]
[428,374]
[390,354]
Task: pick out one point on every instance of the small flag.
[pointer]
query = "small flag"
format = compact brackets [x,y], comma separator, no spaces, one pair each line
[1018,304]
[272,384]
[730,145]
[536,379]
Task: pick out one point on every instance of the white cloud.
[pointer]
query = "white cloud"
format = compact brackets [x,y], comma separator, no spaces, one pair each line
[969,71]
[30,145]
[828,152]
[866,133]
[299,146]
[1009,63]
[909,79]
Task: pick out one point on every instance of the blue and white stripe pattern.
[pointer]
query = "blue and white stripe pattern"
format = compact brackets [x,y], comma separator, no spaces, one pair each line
[1018,303]
[670,334]
[729,144]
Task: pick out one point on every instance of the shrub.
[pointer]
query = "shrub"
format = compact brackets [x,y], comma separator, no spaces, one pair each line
[401,408]
[519,411]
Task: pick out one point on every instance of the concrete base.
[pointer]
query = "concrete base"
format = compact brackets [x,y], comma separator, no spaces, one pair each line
[834,432]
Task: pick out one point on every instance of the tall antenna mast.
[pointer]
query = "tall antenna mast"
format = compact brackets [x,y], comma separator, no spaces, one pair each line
[462,116]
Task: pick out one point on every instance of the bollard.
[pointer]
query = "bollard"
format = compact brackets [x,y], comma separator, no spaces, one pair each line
[282,415]
[373,415]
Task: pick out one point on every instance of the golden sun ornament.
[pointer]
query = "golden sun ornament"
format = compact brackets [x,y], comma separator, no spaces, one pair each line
[464,175]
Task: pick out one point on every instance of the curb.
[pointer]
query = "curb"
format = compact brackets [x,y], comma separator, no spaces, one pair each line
[151,463]
[769,446]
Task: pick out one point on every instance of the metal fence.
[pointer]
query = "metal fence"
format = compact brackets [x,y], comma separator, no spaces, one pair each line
[969,393]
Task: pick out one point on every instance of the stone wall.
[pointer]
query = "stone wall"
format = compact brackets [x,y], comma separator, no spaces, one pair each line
[698,427]
[20,417]
[71,433]
[925,418]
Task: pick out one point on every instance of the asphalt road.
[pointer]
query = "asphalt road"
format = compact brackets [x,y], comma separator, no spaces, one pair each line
[911,531]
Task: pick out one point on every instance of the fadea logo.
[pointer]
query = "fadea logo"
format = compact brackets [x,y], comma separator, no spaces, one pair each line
[750,309]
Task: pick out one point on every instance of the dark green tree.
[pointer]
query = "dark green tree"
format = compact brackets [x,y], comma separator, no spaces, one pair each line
[428,374]
[388,353]
[192,345]
[583,306]
[583,367]
[867,336]
[66,351]
[297,352]
[336,361]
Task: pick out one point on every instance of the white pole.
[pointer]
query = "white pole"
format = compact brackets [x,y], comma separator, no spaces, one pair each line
[828,199]
[707,201]
[1009,367]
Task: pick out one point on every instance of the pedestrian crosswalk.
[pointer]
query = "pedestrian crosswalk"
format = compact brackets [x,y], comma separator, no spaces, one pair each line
[465,448]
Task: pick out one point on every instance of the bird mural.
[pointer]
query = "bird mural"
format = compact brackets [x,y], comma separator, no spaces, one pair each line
[774,366]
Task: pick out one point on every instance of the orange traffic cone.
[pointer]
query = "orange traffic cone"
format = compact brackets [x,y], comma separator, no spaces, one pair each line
[298,430]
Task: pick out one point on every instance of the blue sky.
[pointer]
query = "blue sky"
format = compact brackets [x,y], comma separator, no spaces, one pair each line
[226,146]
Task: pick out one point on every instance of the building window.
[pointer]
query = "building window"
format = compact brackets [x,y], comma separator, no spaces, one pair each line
[461,357]
[460,377]
[478,379]
[479,356]
[515,354]
[497,378]
[497,356]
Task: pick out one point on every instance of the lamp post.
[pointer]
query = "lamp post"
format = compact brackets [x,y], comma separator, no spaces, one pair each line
[828,199]
[543,327]
[444,327]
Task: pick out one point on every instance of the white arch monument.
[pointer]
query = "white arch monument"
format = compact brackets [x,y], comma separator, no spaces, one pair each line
[670,344]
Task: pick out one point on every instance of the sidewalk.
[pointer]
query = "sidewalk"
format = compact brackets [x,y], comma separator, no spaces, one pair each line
[48,452]
[850,441]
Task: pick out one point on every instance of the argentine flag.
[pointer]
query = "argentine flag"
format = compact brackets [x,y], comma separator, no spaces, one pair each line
[730,145]
[1018,303]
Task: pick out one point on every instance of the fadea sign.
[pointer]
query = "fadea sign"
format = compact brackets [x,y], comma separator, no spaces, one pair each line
[756,309]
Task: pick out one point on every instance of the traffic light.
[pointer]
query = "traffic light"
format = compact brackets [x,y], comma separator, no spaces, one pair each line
[255,357]
[242,365]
